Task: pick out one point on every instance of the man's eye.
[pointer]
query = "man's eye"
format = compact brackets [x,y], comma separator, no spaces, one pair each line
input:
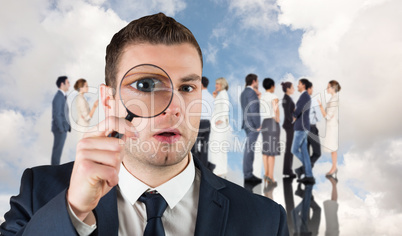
[186,88]
[145,85]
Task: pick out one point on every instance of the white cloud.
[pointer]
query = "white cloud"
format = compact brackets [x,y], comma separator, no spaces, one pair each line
[377,170]
[130,10]
[210,53]
[50,41]
[63,40]
[357,43]
[256,14]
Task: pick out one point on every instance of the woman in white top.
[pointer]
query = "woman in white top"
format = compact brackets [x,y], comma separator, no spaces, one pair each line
[330,143]
[220,129]
[84,114]
[270,129]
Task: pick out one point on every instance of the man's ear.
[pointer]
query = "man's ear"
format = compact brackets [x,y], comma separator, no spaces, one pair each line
[106,93]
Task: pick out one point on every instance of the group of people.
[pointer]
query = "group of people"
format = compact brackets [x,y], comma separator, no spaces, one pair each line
[261,114]
[300,121]
[304,133]
[60,113]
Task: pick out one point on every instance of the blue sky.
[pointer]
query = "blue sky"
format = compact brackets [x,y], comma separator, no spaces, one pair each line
[355,42]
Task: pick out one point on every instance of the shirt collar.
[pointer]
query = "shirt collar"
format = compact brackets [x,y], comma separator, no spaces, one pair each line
[249,86]
[172,191]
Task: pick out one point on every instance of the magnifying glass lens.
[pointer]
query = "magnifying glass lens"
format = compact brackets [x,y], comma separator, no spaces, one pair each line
[146,91]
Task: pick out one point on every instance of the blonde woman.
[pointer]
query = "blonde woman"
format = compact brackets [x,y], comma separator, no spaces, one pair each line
[330,143]
[220,129]
[84,113]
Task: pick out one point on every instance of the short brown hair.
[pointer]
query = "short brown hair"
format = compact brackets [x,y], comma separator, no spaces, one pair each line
[153,29]
[250,78]
[79,84]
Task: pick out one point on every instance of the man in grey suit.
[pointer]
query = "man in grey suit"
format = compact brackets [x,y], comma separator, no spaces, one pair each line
[60,120]
[250,105]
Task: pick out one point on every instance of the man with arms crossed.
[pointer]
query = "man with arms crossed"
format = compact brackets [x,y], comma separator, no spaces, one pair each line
[60,120]
[113,185]
[250,105]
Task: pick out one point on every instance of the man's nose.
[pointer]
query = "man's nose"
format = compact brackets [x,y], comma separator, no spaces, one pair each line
[174,109]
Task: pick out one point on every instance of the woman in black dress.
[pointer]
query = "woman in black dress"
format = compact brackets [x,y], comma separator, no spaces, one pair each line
[288,108]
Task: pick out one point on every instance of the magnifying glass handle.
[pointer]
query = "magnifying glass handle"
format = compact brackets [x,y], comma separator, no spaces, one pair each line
[116,134]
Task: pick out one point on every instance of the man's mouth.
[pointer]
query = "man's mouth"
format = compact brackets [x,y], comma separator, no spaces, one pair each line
[168,136]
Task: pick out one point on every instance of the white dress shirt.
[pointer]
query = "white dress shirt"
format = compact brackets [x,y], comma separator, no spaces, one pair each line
[267,109]
[181,194]
[207,105]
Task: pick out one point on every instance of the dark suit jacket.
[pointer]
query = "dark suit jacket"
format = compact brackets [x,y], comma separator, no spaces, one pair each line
[60,119]
[288,109]
[302,113]
[250,104]
[224,208]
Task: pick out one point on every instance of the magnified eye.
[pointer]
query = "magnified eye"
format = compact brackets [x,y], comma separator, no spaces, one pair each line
[146,84]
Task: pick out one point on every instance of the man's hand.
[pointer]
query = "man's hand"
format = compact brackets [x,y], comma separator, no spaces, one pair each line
[97,166]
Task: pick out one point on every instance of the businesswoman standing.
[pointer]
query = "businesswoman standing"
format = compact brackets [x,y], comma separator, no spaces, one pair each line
[270,129]
[220,129]
[330,143]
[288,109]
[84,113]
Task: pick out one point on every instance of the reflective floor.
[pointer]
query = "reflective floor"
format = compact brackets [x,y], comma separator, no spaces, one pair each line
[336,205]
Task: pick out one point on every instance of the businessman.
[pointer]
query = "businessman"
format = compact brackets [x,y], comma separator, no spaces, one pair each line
[146,183]
[301,128]
[60,119]
[250,105]
[313,139]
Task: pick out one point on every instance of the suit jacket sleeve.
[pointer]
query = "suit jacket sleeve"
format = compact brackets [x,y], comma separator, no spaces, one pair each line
[58,112]
[254,109]
[28,217]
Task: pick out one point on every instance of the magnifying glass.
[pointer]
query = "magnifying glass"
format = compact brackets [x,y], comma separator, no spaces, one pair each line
[146,91]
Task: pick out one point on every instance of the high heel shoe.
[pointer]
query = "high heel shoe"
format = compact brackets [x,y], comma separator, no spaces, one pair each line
[269,180]
[329,177]
[335,172]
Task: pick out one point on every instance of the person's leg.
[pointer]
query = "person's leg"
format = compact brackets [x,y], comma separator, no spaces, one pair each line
[314,141]
[334,157]
[58,144]
[288,157]
[271,165]
[266,167]
[296,145]
[248,157]
[305,158]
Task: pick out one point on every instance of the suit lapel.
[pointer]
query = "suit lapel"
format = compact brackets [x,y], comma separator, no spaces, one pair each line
[107,215]
[213,207]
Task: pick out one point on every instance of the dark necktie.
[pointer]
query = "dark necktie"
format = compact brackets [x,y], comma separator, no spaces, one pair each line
[155,205]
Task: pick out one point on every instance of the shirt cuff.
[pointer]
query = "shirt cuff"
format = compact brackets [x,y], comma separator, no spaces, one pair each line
[81,228]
